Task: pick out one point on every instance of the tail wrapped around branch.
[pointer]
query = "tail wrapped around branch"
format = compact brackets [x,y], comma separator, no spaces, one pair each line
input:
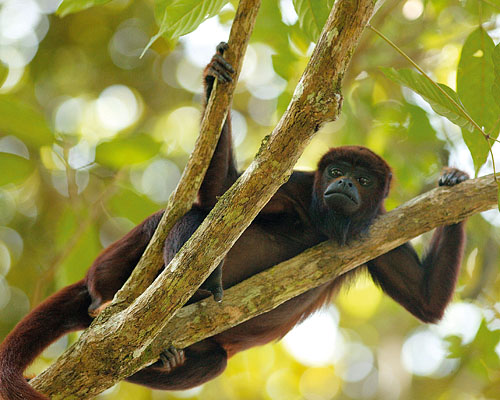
[63,312]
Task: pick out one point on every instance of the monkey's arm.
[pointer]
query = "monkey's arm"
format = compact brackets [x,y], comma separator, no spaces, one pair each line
[221,173]
[424,288]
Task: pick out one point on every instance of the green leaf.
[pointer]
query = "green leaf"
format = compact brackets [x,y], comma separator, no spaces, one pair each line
[437,100]
[455,347]
[495,90]
[270,29]
[15,169]
[23,121]
[478,147]
[4,71]
[73,6]
[484,346]
[419,128]
[82,253]
[312,16]
[284,63]
[475,78]
[179,17]
[124,151]
[132,205]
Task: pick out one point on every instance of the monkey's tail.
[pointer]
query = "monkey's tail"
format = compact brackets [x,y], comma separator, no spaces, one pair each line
[63,312]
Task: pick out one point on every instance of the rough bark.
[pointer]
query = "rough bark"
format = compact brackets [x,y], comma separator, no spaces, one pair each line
[118,345]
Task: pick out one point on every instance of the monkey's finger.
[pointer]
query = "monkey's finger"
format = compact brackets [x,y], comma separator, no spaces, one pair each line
[220,72]
[461,175]
[221,48]
[176,354]
[224,63]
[165,359]
[446,177]
[220,77]
[453,176]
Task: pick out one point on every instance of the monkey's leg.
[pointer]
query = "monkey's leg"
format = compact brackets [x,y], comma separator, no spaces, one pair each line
[184,369]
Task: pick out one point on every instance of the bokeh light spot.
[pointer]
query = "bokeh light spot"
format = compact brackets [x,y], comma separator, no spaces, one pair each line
[281,385]
[200,44]
[361,299]
[319,384]
[113,229]
[17,305]
[18,18]
[288,14]
[413,9]
[460,319]
[423,353]
[68,114]
[159,180]
[316,341]
[179,129]
[5,260]
[4,293]
[360,360]
[117,107]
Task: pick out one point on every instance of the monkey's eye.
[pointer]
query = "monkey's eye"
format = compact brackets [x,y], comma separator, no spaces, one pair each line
[363,181]
[334,172]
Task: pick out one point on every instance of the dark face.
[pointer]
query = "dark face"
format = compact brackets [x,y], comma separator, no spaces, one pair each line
[346,186]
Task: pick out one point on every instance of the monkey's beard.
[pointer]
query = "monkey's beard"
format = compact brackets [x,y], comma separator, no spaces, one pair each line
[329,222]
[338,226]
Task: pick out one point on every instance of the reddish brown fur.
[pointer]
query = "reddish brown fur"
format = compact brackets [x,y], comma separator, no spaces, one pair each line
[296,218]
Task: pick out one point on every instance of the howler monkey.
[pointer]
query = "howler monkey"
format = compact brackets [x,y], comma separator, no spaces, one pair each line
[338,201]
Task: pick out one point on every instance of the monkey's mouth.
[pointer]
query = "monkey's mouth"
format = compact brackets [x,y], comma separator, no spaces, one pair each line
[333,195]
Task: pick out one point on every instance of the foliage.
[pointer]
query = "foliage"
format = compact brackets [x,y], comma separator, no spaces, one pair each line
[93,139]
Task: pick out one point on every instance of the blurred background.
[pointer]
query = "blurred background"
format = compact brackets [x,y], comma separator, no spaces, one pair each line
[93,139]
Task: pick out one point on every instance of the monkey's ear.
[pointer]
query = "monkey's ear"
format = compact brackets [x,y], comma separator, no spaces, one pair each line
[388,180]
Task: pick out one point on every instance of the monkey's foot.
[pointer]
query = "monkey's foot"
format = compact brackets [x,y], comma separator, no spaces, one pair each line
[94,312]
[217,292]
[214,283]
[452,177]
[172,358]
[218,67]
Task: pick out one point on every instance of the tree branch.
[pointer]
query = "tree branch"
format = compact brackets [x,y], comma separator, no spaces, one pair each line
[115,348]
[182,198]
[326,261]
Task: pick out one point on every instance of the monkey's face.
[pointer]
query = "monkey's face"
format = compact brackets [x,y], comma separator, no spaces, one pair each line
[346,187]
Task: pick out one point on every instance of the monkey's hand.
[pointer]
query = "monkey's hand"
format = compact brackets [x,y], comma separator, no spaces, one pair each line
[452,177]
[218,67]
[172,358]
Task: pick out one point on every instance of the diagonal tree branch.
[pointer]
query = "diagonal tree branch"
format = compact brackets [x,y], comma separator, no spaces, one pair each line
[115,348]
[182,198]
[326,261]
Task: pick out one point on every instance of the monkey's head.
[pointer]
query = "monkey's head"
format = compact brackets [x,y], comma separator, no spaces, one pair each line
[350,186]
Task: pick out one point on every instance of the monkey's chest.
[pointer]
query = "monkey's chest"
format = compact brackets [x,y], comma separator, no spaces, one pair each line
[264,244]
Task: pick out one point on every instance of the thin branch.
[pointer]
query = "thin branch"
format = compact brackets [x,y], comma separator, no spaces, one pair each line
[182,198]
[443,92]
